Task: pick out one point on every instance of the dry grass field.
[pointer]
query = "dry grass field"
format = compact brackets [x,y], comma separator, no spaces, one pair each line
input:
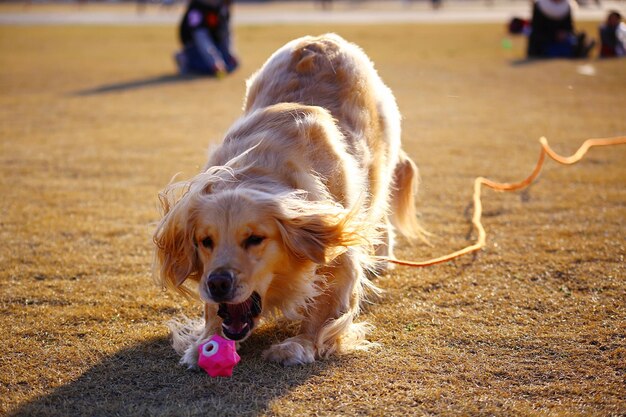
[93,123]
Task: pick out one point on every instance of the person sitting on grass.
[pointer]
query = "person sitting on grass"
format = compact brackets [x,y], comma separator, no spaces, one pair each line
[552,32]
[613,36]
[205,35]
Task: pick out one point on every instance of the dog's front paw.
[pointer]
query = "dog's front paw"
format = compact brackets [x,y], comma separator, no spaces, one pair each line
[190,357]
[293,351]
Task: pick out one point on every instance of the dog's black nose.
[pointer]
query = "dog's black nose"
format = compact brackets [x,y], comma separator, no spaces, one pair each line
[220,284]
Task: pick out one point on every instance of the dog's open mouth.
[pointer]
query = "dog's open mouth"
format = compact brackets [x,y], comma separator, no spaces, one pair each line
[238,319]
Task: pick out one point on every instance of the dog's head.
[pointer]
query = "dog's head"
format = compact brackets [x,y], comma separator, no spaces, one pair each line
[248,249]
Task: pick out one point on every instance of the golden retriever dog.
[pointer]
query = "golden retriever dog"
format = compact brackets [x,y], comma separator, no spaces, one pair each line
[286,218]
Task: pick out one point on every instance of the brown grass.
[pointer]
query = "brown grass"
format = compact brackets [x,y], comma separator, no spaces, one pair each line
[535,324]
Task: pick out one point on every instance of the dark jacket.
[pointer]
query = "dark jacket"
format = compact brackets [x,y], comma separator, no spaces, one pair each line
[544,31]
[201,15]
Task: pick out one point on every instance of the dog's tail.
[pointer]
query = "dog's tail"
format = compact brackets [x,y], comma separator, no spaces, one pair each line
[404,215]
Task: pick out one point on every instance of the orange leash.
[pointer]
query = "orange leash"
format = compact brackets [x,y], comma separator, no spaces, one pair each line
[479,181]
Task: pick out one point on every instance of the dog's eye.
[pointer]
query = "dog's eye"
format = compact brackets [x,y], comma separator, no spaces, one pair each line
[253,240]
[207,242]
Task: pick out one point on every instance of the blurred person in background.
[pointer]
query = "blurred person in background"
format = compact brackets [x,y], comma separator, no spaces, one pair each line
[552,32]
[519,26]
[613,36]
[205,35]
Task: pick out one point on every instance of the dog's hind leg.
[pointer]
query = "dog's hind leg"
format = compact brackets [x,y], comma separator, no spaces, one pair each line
[403,216]
[405,184]
[384,248]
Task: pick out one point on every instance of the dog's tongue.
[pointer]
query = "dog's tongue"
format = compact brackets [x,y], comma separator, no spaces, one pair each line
[238,319]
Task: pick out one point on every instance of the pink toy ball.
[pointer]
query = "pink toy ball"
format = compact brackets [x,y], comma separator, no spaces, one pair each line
[218,356]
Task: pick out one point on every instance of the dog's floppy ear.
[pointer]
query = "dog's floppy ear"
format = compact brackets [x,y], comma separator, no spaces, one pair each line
[176,257]
[310,237]
[317,231]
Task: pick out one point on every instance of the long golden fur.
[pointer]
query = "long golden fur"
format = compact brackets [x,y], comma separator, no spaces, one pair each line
[306,187]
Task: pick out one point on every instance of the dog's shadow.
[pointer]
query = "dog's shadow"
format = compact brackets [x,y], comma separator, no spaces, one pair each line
[146,379]
[140,83]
